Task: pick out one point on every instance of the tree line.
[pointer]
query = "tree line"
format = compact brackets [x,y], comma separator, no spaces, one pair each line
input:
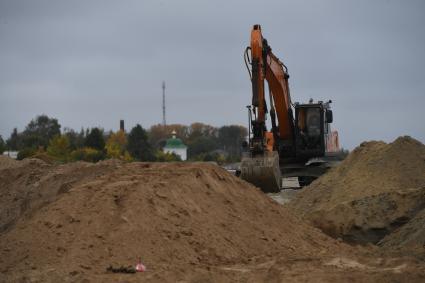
[43,137]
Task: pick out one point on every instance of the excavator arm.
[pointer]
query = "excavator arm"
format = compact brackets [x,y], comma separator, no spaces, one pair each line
[266,66]
[261,167]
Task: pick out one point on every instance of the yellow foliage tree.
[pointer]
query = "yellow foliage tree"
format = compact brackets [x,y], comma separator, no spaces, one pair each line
[116,145]
[59,147]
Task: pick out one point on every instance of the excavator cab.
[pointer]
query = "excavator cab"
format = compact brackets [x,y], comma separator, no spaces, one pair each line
[312,128]
[309,121]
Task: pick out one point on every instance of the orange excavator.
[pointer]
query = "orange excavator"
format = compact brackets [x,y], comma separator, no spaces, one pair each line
[300,142]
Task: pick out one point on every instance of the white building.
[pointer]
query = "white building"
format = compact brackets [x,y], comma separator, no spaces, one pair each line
[176,146]
[11,154]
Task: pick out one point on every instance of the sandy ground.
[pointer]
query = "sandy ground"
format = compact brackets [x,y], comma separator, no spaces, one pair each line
[189,222]
[284,196]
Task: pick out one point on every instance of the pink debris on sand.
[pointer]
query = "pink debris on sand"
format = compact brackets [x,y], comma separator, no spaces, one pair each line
[140,267]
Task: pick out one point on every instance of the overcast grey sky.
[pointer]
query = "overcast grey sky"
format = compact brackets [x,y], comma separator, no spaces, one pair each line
[92,63]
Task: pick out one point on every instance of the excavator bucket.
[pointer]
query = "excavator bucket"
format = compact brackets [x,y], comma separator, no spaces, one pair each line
[262,171]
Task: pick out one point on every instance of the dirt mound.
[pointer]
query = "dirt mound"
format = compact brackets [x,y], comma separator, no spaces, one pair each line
[191,222]
[44,157]
[27,185]
[375,190]
[187,221]
[408,239]
[7,162]
[168,214]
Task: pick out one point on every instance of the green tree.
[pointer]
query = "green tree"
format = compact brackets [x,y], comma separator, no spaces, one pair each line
[14,142]
[59,147]
[87,154]
[40,131]
[167,157]
[2,145]
[231,138]
[94,139]
[76,140]
[26,152]
[200,145]
[138,145]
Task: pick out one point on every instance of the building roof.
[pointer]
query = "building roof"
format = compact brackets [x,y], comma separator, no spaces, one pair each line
[174,143]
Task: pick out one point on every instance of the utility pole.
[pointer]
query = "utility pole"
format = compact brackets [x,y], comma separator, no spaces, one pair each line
[163,104]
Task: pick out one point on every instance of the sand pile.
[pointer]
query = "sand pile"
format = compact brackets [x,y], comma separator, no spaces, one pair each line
[27,185]
[7,162]
[378,188]
[80,218]
[189,222]
[408,239]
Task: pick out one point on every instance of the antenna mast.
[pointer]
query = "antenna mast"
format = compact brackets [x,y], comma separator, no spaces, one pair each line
[163,104]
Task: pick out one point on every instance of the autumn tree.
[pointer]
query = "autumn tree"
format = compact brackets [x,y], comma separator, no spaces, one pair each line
[159,133]
[197,130]
[59,147]
[116,145]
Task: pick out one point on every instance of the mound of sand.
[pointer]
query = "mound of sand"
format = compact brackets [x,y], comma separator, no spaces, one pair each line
[189,222]
[27,185]
[80,218]
[408,239]
[7,162]
[375,190]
